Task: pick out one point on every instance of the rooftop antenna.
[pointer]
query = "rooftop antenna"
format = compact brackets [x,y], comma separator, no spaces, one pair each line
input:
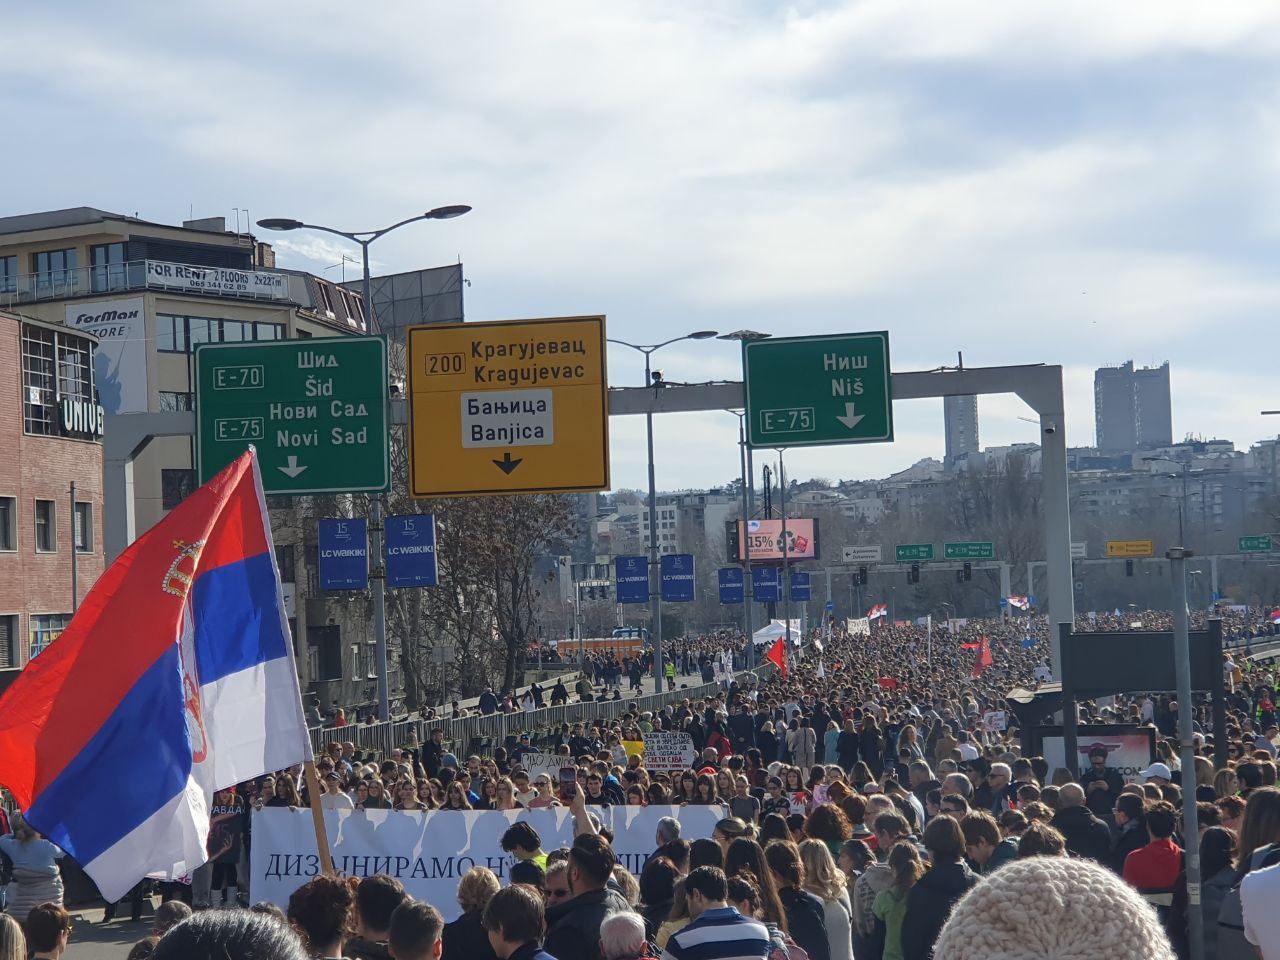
[959,359]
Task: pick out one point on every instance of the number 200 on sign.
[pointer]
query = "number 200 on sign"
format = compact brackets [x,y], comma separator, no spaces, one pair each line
[786,420]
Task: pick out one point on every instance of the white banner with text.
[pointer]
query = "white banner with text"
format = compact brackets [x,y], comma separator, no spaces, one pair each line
[430,852]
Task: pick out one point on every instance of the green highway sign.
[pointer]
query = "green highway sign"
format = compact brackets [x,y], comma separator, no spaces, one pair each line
[1260,544]
[980,550]
[815,391]
[315,410]
[912,552]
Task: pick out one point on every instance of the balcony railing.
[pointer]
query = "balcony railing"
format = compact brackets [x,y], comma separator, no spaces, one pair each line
[144,275]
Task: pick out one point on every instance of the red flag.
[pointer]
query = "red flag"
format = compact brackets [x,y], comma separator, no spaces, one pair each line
[778,654]
[969,646]
[887,683]
[984,658]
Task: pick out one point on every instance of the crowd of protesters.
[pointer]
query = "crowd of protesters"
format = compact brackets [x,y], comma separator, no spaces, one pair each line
[873,810]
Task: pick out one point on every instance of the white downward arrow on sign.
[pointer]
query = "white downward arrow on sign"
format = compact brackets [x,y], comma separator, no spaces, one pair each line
[850,419]
[292,470]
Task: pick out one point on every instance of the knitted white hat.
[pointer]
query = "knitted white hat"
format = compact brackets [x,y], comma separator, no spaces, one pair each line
[1052,908]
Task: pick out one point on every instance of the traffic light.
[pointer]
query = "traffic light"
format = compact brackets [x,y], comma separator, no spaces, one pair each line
[967,571]
[862,576]
[1128,568]
[914,575]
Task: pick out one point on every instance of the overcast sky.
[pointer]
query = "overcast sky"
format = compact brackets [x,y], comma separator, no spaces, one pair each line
[1073,183]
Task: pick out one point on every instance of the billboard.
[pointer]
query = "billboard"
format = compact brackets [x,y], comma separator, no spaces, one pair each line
[765,585]
[764,538]
[677,577]
[120,362]
[631,579]
[411,551]
[731,585]
[1128,751]
[344,554]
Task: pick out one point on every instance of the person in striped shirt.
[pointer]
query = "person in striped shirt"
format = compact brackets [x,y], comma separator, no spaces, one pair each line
[717,931]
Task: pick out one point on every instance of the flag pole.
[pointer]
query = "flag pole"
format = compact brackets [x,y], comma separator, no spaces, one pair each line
[317,817]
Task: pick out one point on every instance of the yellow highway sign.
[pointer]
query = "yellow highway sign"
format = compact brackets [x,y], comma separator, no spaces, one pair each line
[1130,548]
[511,406]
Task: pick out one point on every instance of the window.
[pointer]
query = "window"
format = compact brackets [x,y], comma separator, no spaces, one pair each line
[46,628]
[46,526]
[177,334]
[8,274]
[38,350]
[324,295]
[176,486]
[108,273]
[8,523]
[54,268]
[55,366]
[83,532]
[284,560]
[8,641]
[171,401]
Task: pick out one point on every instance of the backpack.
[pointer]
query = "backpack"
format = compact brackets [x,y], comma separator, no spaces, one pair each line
[1232,944]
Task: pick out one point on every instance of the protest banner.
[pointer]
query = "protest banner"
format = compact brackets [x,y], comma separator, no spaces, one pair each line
[548,763]
[668,752]
[996,720]
[429,852]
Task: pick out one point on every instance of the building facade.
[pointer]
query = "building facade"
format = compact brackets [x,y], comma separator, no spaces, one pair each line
[150,293]
[51,432]
[960,422]
[1132,407]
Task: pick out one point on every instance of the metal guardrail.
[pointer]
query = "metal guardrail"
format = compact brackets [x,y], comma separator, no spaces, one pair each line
[121,277]
[461,733]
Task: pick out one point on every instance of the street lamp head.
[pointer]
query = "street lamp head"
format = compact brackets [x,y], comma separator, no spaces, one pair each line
[701,335]
[280,223]
[745,335]
[448,213]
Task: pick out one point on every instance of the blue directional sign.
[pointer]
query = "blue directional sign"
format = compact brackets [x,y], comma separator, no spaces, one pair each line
[732,589]
[631,578]
[766,586]
[411,551]
[831,606]
[344,554]
[677,577]
[800,588]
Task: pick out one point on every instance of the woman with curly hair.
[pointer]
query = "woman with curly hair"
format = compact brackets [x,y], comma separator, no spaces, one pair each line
[828,823]
[827,882]
[465,938]
[322,911]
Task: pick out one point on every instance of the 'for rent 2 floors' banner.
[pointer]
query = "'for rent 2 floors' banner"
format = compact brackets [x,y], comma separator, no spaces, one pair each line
[430,852]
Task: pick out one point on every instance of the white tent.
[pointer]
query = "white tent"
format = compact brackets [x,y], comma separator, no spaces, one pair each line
[771,631]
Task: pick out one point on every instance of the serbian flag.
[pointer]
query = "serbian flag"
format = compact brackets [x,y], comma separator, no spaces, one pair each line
[778,655]
[1019,603]
[1275,616]
[174,679]
[879,610]
[984,658]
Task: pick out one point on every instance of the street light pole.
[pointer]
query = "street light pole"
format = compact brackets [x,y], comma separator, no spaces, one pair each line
[655,576]
[377,572]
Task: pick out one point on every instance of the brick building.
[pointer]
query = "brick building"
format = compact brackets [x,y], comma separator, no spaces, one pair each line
[50,432]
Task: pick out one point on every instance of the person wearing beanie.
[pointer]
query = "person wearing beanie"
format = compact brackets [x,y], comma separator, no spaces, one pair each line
[1044,908]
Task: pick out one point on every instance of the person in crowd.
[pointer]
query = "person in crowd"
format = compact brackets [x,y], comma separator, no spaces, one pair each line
[1030,910]
[1085,834]
[1154,868]
[1130,833]
[574,926]
[415,933]
[983,845]
[890,906]
[241,934]
[932,897]
[35,877]
[465,938]
[1040,839]
[322,911]
[746,858]
[48,929]
[827,882]
[169,914]
[806,920]
[705,852]
[523,842]
[377,898]
[716,931]
[658,881]
[13,942]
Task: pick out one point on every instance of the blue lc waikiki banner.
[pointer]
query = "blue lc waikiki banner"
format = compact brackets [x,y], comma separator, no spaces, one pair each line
[631,578]
[677,577]
[800,590]
[731,585]
[344,554]
[411,551]
[765,585]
